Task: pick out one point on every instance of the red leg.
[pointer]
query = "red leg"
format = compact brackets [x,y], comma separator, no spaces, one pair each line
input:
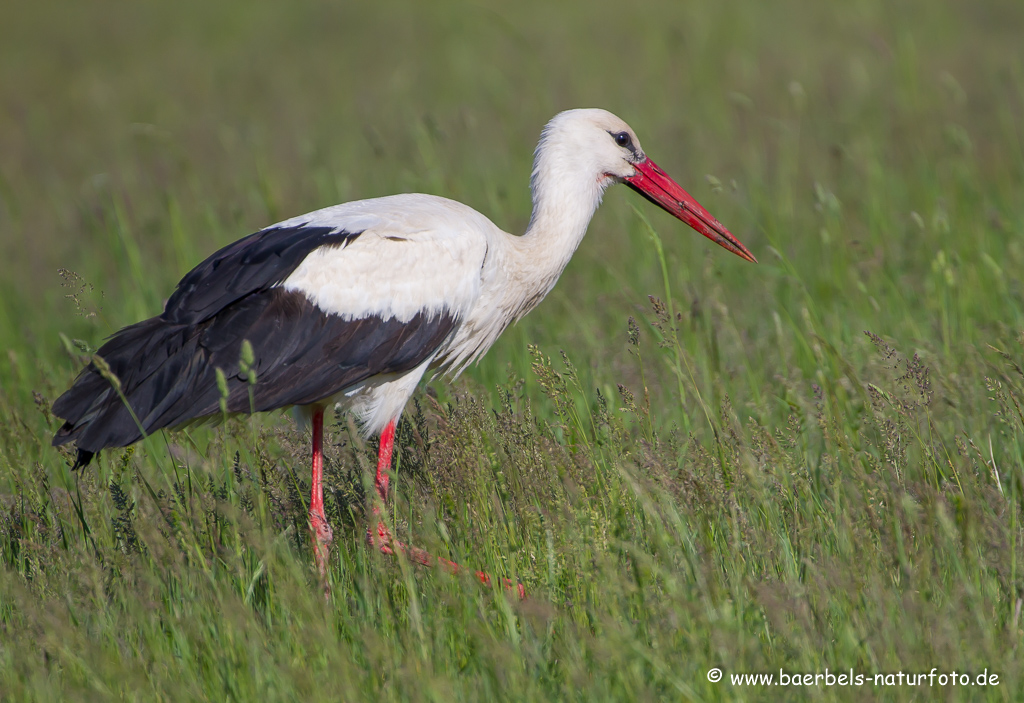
[389,546]
[322,533]
[387,443]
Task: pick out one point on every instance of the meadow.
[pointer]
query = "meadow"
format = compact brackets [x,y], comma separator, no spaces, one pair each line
[690,462]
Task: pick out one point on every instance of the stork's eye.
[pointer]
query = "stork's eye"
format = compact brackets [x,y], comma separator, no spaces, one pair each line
[623,139]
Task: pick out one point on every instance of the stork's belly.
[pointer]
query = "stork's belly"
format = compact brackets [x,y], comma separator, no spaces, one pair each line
[376,401]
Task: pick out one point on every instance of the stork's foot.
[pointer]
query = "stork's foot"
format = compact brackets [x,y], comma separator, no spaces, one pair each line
[381,540]
[323,536]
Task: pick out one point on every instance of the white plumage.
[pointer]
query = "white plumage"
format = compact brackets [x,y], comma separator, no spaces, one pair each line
[416,253]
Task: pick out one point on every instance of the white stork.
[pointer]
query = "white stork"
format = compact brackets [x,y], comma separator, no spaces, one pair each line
[352,304]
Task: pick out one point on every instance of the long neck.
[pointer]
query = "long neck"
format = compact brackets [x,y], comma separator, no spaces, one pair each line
[520,271]
[564,201]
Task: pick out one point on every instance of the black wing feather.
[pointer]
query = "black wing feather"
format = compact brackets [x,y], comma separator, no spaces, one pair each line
[302,355]
[167,365]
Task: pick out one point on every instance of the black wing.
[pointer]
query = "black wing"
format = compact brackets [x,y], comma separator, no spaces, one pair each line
[167,365]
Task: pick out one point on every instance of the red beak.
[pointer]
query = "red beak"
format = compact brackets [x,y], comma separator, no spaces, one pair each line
[656,185]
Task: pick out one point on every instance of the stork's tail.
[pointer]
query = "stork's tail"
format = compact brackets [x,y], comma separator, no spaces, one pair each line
[146,366]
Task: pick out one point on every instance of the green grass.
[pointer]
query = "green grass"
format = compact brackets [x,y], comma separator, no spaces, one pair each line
[729,474]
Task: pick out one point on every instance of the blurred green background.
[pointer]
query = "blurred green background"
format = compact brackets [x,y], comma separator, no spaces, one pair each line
[869,153]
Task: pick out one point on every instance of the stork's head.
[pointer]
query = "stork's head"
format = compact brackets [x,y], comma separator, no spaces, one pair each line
[596,145]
